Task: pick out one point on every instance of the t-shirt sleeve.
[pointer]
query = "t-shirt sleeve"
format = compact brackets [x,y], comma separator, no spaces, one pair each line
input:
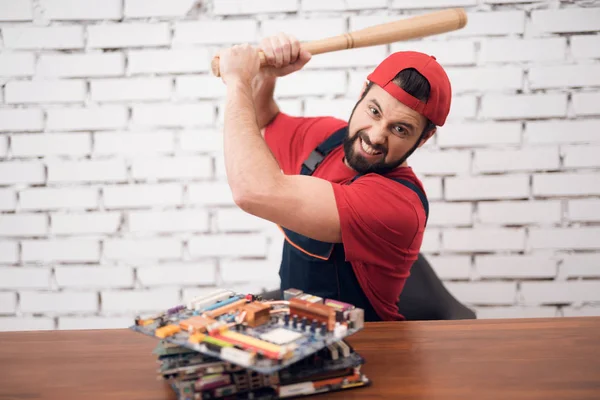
[291,139]
[379,219]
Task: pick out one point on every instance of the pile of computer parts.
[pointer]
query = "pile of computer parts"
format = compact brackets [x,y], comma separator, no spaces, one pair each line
[230,345]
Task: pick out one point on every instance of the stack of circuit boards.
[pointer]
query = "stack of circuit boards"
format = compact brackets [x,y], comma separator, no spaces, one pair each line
[229,345]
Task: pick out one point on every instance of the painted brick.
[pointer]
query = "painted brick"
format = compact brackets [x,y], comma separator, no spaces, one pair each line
[215,32]
[483,239]
[584,210]
[585,46]
[93,277]
[23,224]
[169,221]
[237,7]
[312,83]
[199,87]
[130,249]
[492,23]
[154,168]
[497,106]
[133,143]
[169,61]
[236,220]
[409,4]
[24,278]
[559,132]
[76,250]
[8,199]
[365,21]
[359,57]
[486,79]
[58,198]
[566,184]
[16,64]
[77,10]
[228,246]
[14,172]
[484,293]
[85,223]
[57,303]
[139,300]
[11,10]
[433,187]
[450,214]
[586,103]
[203,273]
[581,156]
[97,118]
[55,144]
[37,37]
[9,252]
[21,120]
[157,8]
[24,92]
[431,241]
[133,196]
[210,194]
[304,29]
[487,187]
[526,159]
[515,266]
[81,65]
[341,5]
[74,323]
[249,271]
[450,52]
[451,267]
[580,238]
[336,108]
[519,212]
[516,50]
[516,312]
[566,20]
[534,293]
[8,303]
[431,162]
[109,36]
[479,134]
[3,146]
[173,115]
[22,324]
[580,265]
[463,107]
[133,89]
[546,77]
[87,171]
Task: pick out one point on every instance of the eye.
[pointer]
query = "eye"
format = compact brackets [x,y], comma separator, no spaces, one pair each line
[400,130]
[373,111]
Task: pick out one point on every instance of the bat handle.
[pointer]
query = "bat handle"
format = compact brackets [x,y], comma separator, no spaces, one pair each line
[216,70]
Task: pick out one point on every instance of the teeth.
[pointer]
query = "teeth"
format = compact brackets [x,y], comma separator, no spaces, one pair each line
[368,149]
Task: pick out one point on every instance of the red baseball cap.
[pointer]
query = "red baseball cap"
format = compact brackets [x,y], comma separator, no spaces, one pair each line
[438,105]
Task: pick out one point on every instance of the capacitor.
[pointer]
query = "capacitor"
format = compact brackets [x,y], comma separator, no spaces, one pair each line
[303,323]
[286,319]
[294,321]
[324,328]
[313,326]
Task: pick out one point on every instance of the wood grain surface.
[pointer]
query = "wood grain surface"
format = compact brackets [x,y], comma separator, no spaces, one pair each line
[478,359]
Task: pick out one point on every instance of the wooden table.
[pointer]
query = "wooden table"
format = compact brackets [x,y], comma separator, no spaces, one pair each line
[495,359]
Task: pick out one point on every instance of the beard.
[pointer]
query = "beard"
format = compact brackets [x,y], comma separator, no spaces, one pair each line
[360,164]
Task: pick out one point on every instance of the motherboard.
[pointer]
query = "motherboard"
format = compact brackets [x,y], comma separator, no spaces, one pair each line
[261,335]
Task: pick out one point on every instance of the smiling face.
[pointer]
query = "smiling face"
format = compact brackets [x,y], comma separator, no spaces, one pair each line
[381,132]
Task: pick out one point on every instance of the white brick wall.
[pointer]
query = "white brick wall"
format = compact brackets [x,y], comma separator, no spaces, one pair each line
[113,193]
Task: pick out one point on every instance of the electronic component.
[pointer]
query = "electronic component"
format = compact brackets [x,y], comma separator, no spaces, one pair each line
[256,313]
[281,336]
[320,312]
[196,324]
[166,331]
[238,356]
[291,293]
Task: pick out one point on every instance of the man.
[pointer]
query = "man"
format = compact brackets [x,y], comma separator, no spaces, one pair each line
[353,212]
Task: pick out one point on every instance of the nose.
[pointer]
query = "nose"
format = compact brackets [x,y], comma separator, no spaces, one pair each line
[378,135]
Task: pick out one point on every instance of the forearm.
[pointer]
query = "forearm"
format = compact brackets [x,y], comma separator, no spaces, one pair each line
[263,88]
[252,171]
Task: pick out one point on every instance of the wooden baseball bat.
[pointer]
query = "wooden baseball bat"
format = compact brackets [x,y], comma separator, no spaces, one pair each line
[410,28]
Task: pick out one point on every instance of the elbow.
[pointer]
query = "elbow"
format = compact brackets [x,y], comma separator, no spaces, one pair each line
[247,200]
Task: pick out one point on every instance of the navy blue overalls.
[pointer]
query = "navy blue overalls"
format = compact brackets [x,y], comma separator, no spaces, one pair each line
[320,268]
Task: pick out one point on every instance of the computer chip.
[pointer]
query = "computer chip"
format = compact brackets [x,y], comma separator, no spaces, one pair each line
[281,336]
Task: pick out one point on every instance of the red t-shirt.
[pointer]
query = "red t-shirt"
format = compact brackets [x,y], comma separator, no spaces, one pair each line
[382,221]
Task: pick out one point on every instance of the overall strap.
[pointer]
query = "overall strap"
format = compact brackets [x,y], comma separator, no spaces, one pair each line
[317,155]
[412,187]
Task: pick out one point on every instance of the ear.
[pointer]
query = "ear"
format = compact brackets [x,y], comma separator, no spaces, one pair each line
[427,136]
[364,87]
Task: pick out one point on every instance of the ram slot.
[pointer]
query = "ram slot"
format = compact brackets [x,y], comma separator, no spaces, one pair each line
[200,302]
[249,343]
[225,309]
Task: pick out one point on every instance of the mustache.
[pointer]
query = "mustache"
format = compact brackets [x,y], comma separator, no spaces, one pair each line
[365,138]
